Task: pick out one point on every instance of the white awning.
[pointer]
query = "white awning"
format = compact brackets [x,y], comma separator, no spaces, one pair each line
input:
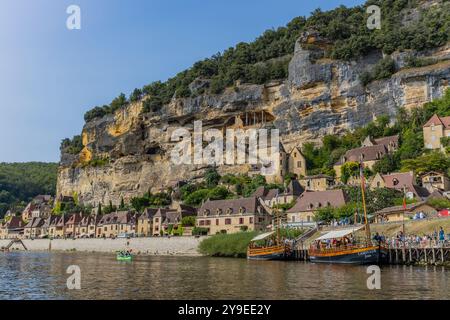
[263,236]
[338,233]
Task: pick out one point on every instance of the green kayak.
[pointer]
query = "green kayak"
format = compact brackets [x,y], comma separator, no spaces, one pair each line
[121,257]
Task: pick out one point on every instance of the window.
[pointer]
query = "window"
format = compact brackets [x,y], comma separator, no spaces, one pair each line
[156,220]
[241,220]
[201,222]
[299,164]
[208,222]
[217,222]
[395,181]
[227,221]
[295,154]
[293,218]
[251,220]
[260,219]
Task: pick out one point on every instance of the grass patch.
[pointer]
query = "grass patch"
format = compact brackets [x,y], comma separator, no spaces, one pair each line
[227,245]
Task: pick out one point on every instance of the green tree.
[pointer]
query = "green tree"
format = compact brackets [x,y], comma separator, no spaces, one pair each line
[348,170]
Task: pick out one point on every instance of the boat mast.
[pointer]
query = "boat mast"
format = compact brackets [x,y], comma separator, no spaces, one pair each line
[364,200]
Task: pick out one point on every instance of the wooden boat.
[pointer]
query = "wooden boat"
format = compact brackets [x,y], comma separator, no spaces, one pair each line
[349,251]
[272,248]
[277,251]
[350,254]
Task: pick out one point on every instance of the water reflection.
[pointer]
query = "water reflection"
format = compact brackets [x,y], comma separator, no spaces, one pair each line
[43,276]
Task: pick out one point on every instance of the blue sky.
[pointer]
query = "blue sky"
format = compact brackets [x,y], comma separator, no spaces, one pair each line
[50,76]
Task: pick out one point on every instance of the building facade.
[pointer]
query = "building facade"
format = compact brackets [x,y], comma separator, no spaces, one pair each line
[234,215]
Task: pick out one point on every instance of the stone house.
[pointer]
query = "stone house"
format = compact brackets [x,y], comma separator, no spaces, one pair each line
[48,222]
[33,229]
[117,223]
[12,229]
[434,130]
[371,151]
[166,219]
[234,215]
[87,226]
[289,162]
[39,207]
[272,197]
[72,224]
[57,227]
[369,156]
[145,223]
[399,213]
[311,201]
[320,182]
[401,181]
[391,142]
[435,181]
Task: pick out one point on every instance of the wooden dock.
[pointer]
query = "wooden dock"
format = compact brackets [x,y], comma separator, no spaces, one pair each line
[404,255]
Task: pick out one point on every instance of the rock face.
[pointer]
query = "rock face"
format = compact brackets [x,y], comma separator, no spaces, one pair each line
[320,96]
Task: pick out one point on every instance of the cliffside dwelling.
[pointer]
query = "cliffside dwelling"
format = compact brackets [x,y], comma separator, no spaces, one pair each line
[167,220]
[309,202]
[234,215]
[320,182]
[435,181]
[434,130]
[404,182]
[370,152]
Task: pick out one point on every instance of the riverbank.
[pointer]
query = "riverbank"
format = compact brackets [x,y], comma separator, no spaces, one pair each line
[179,246]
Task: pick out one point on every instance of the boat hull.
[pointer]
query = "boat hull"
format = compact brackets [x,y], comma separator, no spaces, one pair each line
[367,255]
[268,253]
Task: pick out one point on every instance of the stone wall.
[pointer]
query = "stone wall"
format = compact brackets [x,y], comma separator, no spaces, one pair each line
[185,246]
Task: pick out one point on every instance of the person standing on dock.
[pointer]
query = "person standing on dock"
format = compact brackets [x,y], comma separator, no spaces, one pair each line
[441,236]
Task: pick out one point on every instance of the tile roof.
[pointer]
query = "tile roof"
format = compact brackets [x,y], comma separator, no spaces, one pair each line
[293,189]
[386,141]
[15,223]
[436,120]
[398,180]
[375,152]
[409,207]
[310,201]
[250,206]
[35,223]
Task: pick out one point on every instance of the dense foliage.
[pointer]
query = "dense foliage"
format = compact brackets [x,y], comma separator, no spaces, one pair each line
[227,245]
[268,56]
[20,182]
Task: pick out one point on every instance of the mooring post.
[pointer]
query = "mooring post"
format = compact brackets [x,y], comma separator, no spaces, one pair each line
[403,255]
[410,255]
[425,251]
[442,255]
[434,255]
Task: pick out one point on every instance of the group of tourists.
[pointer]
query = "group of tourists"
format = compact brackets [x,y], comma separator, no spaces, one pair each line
[437,238]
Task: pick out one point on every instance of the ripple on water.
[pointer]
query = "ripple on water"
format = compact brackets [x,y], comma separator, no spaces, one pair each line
[43,276]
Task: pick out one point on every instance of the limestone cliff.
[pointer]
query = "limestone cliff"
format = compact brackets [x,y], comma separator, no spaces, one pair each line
[320,96]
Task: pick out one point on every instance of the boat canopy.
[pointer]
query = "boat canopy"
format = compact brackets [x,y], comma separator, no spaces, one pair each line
[263,236]
[338,233]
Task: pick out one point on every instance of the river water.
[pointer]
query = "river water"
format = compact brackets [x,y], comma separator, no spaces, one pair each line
[28,275]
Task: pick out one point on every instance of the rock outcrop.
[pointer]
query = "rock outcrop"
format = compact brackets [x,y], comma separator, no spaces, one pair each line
[320,96]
